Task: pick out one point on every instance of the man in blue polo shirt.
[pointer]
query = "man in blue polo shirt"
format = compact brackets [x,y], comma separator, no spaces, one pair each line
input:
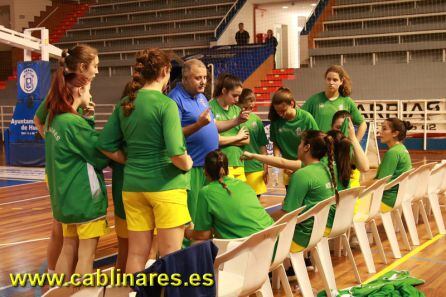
[199,126]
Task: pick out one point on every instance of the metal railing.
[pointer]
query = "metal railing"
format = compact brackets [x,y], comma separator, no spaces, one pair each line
[221,27]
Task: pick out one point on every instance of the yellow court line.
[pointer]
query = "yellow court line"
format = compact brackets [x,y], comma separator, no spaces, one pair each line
[405,258]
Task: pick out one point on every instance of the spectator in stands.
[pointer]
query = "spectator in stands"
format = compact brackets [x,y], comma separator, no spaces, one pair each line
[227,91]
[256,172]
[227,208]
[155,176]
[199,125]
[242,36]
[271,40]
[396,160]
[287,124]
[81,59]
[324,105]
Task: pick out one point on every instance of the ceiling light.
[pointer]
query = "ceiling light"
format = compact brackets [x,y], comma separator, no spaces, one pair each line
[284,7]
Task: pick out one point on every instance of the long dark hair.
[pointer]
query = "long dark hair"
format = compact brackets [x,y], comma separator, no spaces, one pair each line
[401,126]
[226,81]
[342,156]
[60,97]
[149,64]
[216,167]
[280,96]
[322,145]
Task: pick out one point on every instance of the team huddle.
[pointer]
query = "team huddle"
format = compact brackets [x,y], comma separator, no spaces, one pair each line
[186,169]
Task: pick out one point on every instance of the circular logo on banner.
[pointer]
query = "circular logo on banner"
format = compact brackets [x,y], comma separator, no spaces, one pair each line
[28,80]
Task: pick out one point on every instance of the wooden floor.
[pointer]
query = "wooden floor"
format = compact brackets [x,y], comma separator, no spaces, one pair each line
[25,223]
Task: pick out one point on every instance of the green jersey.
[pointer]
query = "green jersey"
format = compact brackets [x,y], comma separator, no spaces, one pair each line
[308,186]
[74,169]
[286,134]
[257,139]
[234,215]
[233,152]
[153,134]
[396,161]
[323,109]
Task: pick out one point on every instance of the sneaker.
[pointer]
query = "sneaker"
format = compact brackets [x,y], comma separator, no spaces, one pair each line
[291,274]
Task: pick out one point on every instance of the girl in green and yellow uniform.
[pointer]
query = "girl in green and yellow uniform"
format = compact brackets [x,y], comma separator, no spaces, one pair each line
[256,172]
[396,160]
[227,207]
[155,174]
[311,184]
[287,124]
[84,60]
[227,91]
[73,164]
[324,105]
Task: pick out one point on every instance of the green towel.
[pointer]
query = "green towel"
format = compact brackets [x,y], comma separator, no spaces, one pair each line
[392,284]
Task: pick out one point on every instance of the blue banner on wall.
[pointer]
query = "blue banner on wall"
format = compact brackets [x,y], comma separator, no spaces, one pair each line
[34,79]
[22,127]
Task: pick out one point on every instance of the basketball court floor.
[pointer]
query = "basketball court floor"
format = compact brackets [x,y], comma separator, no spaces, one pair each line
[25,224]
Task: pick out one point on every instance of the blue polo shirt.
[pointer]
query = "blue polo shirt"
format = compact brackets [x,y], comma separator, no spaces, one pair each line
[205,140]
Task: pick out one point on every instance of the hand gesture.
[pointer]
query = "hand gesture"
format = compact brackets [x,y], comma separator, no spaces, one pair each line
[351,130]
[88,111]
[243,116]
[204,118]
[243,133]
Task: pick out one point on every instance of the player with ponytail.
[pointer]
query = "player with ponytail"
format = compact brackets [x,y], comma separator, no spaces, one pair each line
[396,160]
[155,176]
[226,205]
[81,59]
[314,182]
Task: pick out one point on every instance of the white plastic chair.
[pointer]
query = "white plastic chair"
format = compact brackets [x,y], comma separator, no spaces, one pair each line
[437,177]
[320,214]
[257,252]
[283,250]
[403,182]
[416,192]
[111,291]
[74,292]
[370,201]
[341,225]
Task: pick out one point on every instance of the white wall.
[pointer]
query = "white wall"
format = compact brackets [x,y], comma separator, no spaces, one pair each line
[245,16]
[269,16]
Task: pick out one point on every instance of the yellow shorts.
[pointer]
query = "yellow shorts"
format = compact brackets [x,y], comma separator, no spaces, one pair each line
[237,172]
[355,178]
[295,248]
[121,227]
[146,211]
[385,207]
[87,230]
[255,180]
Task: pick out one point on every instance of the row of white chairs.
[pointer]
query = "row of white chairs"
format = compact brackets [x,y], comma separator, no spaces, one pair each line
[242,265]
